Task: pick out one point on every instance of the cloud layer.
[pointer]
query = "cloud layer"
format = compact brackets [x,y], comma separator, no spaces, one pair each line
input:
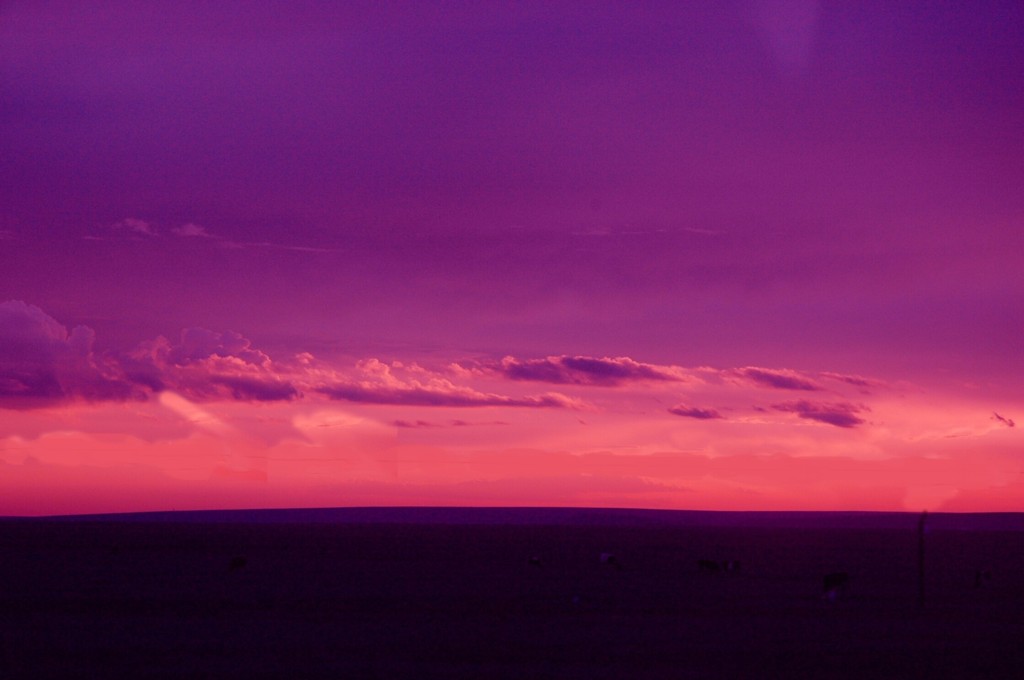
[42,364]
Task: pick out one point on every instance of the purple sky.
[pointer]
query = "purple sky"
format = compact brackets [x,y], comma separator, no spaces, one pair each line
[804,186]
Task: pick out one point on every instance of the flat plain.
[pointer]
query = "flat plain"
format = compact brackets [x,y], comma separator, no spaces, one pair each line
[101,597]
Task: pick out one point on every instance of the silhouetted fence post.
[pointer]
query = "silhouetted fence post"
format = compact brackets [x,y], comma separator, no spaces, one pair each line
[920,559]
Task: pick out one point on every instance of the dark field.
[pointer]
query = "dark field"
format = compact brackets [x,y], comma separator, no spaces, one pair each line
[389,599]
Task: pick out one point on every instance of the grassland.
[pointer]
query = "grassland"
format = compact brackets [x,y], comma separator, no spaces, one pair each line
[105,597]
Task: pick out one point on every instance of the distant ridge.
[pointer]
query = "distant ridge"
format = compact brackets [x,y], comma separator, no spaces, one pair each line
[567,517]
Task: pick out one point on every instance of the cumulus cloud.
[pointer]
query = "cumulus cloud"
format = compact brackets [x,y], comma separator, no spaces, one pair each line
[840,414]
[695,412]
[200,344]
[207,365]
[42,363]
[777,378]
[1004,421]
[580,370]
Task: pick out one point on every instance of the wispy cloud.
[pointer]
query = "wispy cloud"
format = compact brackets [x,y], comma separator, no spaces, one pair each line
[267,245]
[695,412]
[855,380]
[453,396]
[777,378]
[840,414]
[197,231]
[414,424]
[1004,421]
[192,230]
[135,226]
[138,228]
[419,424]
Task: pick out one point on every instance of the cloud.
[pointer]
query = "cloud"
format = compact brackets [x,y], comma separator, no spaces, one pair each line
[777,378]
[193,413]
[244,388]
[413,424]
[199,344]
[135,226]
[41,363]
[419,424]
[1004,421]
[267,245]
[413,385]
[190,230]
[840,414]
[695,412]
[451,396]
[706,232]
[579,370]
[855,380]
[207,365]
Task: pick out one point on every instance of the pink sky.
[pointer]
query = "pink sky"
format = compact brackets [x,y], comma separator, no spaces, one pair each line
[751,255]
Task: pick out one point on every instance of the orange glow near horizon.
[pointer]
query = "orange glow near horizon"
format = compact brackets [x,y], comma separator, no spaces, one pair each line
[228,455]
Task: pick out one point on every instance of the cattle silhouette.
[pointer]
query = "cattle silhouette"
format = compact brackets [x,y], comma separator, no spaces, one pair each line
[708,566]
[834,584]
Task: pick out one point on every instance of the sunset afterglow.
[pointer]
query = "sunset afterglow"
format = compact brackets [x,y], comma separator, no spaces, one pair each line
[748,255]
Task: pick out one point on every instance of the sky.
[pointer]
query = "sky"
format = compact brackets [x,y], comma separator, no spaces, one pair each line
[750,255]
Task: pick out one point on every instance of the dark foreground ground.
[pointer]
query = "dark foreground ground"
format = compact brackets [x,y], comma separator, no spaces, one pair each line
[388,599]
